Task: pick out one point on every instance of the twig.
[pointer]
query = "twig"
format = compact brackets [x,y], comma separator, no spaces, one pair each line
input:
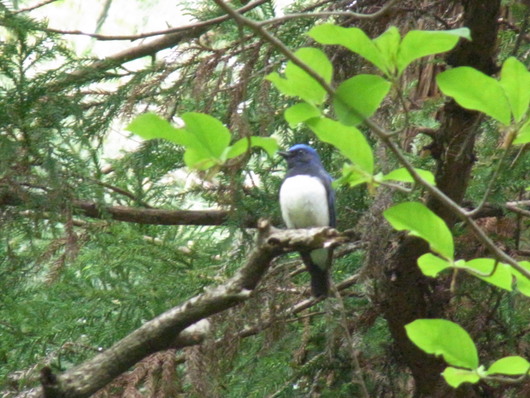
[31,8]
[518,210]
[195,25]
[325,14]
[492,180]
[384,136]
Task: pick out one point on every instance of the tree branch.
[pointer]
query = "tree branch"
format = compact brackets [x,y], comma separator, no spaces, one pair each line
[10,197]
[178,29]
[166,330]
[138,51]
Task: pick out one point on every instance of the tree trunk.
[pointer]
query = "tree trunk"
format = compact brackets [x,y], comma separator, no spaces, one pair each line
[408,295]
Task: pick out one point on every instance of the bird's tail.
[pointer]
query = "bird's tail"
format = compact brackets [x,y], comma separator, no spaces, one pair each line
[319,277]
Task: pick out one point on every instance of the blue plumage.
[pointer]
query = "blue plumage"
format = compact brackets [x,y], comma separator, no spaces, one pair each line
[307,199]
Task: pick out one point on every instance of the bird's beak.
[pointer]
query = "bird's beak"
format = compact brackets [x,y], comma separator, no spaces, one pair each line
[284,154]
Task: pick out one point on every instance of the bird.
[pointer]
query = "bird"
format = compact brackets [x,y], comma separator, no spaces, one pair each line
[307,199]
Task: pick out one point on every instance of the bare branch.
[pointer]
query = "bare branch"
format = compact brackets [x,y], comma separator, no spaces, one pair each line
[34,7]
[325,14]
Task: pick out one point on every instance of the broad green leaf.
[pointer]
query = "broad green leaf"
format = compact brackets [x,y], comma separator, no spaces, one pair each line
[388,44]
[269,144]
[422,222]
[299,113]
[196,159]
[445,338]
[432,265]
[523,283]
[523,136]
[354,39]
[347,139]
[475,90]
[403,175]
[420,43]
[502,277]
[454,376]
[515,80]
[151,126]
[351,176]
[211,138]
[299,83]
[512,365]
[363,94]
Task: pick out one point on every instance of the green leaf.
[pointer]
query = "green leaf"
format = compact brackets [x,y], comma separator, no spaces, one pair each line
[347,139]
[269,144]
[432,265]
[420,43]
[512,365]
[515,80]
[445,338]
[151,126]
[523,135]
[403,175]
[363,93]
[354,39]
[502,277]
[299,83]
[388,44]
[454,376]
[422,222]
[351,176]
[299,113]
[475,90]
[523,283]
[210,140]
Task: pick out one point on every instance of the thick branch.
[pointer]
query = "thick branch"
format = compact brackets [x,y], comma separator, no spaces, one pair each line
[156,216]
[9,197]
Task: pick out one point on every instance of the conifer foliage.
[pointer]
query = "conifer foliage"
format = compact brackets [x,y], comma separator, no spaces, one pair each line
[142,252]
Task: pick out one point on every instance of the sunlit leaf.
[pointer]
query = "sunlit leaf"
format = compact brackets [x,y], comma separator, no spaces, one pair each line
[298,82]
[422,222]
[151,126]
[523,283]
[515,80]
[420,43]
[403,175]
[347,139]
[523,136]
[445,338]
[269,144]
[454,376]
[353,39]
[475,90]
[512,365]
[432,265]
[362,93]
[299,113]
[502,277]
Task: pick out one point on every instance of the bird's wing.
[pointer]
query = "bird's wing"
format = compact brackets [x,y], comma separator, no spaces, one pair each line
[331,199]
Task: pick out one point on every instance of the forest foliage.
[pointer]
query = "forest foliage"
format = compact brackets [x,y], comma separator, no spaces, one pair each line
[98,241]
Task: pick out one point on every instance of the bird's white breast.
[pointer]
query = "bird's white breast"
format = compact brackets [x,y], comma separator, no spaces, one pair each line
[304,202]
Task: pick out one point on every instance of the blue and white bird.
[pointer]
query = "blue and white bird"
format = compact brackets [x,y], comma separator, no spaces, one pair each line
[307,199]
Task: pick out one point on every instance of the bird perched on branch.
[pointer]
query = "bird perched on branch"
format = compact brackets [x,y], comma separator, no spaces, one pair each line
[308,200]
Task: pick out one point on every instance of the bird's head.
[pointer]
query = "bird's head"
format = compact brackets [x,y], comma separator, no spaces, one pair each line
[300,154]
